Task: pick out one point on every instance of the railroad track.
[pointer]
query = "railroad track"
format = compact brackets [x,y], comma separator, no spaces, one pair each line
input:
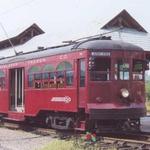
[124,144]
[120,141]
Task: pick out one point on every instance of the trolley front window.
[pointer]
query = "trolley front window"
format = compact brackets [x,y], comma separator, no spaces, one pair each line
[137,70]
[99,69]
[122,70]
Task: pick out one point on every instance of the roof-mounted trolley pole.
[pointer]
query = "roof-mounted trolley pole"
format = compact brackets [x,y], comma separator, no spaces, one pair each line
[8,38]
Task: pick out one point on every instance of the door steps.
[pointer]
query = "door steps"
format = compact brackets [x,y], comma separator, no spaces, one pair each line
[15,116]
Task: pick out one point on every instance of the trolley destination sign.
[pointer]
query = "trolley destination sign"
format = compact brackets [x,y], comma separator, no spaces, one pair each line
[100,54]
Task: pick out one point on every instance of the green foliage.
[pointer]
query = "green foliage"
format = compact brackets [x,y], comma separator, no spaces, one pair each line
[148,106]
[76,144]
[60,145]
[147,87]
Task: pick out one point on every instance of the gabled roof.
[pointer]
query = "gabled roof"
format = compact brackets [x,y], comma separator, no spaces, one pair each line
[22,37]
[124,19]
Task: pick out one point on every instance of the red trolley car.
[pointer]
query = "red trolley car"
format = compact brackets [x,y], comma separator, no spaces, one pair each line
[90,84]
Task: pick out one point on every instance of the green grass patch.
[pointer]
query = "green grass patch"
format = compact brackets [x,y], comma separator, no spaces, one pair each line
[60,145]
[148,106]
[71,145]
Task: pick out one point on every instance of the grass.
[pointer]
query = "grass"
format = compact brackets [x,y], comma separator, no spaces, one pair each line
[70,145]
[148,106]
[60,145]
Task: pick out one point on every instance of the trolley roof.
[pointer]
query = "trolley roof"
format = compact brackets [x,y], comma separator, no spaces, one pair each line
[88,44]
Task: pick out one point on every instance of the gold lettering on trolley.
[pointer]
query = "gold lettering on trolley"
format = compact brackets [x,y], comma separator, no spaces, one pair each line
[8,66]
[36,61]
[30,62]
[63,56]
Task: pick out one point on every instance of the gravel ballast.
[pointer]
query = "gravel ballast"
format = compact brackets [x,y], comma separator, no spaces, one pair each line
[21,140]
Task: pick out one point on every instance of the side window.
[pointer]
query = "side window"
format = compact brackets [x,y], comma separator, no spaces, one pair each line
[53,81]
[34,77]
[52,75]
[82,72]
[30,80]
[64,74]
[69,78]
[37,80]
[45,75]
[48,76]
[2,79]
[38,76]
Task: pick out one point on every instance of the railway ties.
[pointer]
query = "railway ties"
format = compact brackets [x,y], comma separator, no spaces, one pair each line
[105,143]
[128,141]
[126,144]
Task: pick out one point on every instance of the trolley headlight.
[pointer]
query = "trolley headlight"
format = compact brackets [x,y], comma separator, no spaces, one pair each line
[124,93]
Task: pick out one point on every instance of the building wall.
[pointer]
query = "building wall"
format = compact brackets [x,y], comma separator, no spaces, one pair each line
[130,35]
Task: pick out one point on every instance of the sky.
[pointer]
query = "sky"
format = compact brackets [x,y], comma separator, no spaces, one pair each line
[69,19]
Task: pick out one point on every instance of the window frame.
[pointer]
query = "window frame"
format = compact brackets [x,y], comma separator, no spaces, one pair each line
[65,70]
[52,76]
[80,71]
[125,65]
[135,73]
[105,74]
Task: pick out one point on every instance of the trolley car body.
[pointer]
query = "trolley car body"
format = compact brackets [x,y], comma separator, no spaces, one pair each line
[75,86]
